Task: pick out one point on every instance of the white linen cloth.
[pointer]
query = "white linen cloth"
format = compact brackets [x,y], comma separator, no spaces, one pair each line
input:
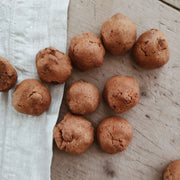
[26,26]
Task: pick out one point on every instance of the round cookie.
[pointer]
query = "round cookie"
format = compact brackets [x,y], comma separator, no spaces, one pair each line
[74,134]
[86,51]
[172,172]
[151,49]
[118,34]
[8,75]
[31,97]
[114,134]
[53,66]
[121,93]
[82,98]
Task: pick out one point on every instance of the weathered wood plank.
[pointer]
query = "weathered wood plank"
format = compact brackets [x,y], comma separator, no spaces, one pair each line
[155,120]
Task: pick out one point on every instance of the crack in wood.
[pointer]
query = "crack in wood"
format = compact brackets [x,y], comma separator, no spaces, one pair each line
[170,5]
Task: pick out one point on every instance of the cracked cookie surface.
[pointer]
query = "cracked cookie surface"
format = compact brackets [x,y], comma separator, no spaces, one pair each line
[53,66]
[74,134]
[118,34]
[31,97]
[82,98]
[151,49]
[8,75]
[86,51]
[121,93]
[114,134]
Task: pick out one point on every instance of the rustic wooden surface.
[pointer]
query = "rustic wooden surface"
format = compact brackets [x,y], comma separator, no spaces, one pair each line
[155,120]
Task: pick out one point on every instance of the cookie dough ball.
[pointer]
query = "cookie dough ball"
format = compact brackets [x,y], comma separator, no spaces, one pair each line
[31,97]
[8,75]
[53,66]
[86,51]
[82,98]
[114,134]
[118,34]
[121,93]
[74,134]
[151,49]
[172,172]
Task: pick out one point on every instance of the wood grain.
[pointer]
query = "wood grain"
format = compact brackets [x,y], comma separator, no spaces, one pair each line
[155,120]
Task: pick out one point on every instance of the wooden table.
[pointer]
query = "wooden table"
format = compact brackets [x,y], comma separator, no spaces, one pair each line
[155,120]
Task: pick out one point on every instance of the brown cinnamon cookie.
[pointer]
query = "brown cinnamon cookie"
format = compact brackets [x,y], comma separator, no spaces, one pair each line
[86,51]
[53,66]
[121,93]
[151,49]
[74,134]
[118,34]
[82,98]
[31,97]
[172,172]
[114,134]
[8,75]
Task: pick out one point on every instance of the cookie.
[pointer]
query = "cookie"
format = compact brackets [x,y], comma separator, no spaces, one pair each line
[53,66]
[114,134]
[118,34]
[172,172]
[121,93]
[82,98]
[74,134]
[8,75]
[151,49]
[31,97]
[86,51]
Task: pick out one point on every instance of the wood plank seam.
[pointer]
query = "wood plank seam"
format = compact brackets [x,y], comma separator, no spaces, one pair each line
[170,5]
